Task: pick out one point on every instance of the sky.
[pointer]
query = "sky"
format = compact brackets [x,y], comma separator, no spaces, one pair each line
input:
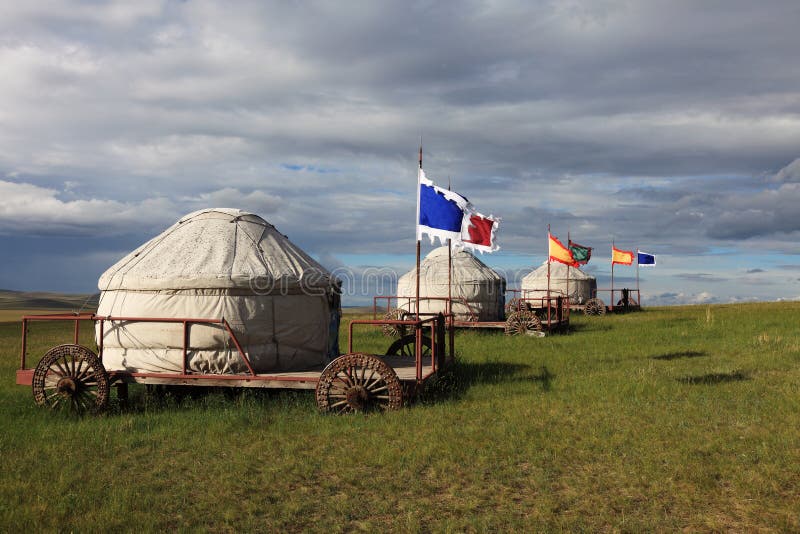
[668,126]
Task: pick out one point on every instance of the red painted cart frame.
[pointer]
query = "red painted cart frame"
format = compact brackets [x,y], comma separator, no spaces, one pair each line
[547,304]
[415,372]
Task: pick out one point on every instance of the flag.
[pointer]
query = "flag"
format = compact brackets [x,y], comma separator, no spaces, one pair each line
[580,253]
[445,214]
[441,213]
[643,258]
[623,257]
[480,233]
[559,252]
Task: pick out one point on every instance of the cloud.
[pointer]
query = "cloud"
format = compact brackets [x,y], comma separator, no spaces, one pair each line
[26,208]
[30,209]
[761,213]
[595,118]
[679,298]
[700,277]
[790,173]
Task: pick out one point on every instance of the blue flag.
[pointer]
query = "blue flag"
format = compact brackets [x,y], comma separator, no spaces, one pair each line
[645,258]
[442,213]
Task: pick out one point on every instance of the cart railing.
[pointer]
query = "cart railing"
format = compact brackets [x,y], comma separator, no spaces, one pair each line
[524,299]
[101,320]
[550,301]
[436,324]
[409,303]
[628,298]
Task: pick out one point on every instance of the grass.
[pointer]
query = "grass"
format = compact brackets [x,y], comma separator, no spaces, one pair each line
[668,419]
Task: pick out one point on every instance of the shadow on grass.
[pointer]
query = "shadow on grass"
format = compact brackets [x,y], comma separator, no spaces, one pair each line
[678,355]
[450,384]
[157,399]
[715,378]
[454,382]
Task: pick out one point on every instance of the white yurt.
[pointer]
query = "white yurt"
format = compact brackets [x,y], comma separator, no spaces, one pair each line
[477,290]
[219,263]
[581,285]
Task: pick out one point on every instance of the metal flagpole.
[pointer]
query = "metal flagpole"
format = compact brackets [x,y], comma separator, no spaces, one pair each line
[416,226]
[548,265]
[449,268]
[569,244]
[612,275]
[638,294]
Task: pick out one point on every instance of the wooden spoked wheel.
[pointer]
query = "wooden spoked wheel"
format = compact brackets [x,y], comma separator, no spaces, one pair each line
[358,382]
[512,306]
[71,378]
[523,323]
[542,314]
[406,347]
[394,330]
[594,307]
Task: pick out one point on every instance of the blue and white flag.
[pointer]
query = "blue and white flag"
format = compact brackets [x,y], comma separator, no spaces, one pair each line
[445,214]
[645,259]
[441,213]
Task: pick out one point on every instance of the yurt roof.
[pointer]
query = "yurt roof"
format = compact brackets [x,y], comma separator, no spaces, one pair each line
[466,267]
[216,248]
[557,270]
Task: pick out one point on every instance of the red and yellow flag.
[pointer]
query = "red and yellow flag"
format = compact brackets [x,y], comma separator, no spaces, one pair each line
[623,257]
[560,253]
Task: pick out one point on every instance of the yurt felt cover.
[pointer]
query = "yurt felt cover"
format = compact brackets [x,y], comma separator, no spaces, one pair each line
[581,285]
[473,281]
[219,263]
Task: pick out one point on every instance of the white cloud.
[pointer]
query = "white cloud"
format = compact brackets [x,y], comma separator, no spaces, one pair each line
[30,209]
[790,173]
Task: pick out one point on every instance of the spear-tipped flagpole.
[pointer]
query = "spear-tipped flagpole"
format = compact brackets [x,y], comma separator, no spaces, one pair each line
[569,244]
[612,274]
[548,265]
[449,266]
[416,223]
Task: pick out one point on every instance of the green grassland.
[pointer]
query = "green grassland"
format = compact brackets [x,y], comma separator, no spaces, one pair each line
[21,300]
[668,419]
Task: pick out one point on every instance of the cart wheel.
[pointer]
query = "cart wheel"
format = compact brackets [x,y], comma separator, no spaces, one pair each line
[394,330]
[512,306]
[523,323]
[594,307]
[358,383]
[406,346]
[71,377]
[542,315]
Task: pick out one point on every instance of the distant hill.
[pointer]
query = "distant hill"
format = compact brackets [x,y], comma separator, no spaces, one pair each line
[21,300]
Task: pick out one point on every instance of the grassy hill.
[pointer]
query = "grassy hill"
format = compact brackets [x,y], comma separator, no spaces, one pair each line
[20,300]
[669,419]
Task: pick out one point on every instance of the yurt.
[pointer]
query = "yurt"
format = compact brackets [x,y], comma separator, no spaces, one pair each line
[581,285]
[219,263]
[478,291]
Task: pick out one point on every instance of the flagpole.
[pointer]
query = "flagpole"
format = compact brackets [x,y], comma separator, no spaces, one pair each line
[612,275]
[416,226]
[638,294]
[569,244]
[449,306]
[548,267]
[637,270]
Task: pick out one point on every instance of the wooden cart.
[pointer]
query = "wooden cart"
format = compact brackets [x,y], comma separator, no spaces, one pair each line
[73,376]
[626,300]
[528,315]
